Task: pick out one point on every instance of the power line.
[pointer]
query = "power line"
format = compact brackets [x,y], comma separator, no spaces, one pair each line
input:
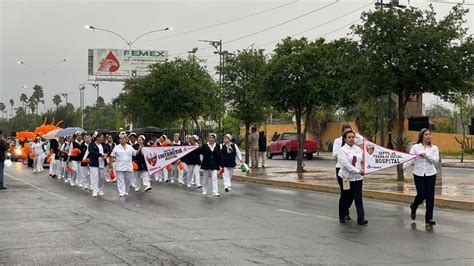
[271,27]
[340,28]
[318,26]
[222,23]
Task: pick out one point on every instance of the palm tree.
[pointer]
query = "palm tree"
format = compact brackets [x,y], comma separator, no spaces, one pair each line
[37,96]
[2,108]
[24,100]
[12,102]
[57,100]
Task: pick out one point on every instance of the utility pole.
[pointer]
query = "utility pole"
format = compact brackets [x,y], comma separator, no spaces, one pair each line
[96,86]
[82,87]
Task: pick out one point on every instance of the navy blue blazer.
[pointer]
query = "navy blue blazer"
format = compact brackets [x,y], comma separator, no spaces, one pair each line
[94,153]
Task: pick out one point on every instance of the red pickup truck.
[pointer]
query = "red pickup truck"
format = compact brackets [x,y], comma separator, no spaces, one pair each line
[286,144]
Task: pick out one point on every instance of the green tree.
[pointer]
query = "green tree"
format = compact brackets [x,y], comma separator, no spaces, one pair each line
[408,51]
[438,110]
[300,78]
[242,74]
[174,90]
[57,100]
[12,103]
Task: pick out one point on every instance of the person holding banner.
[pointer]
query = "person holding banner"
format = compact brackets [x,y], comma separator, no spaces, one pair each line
[193,162]
[349,158]
[162,175]
[142,171]
[175,171]
[229,154]
[123,164]
[98,162]
[344,203]
[211,162]
[424,173]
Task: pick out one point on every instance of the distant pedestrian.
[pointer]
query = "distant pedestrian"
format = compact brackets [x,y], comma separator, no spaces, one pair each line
[424,173]
[253,145]
[3,151]
[229,154]
[262,147]
[349,157]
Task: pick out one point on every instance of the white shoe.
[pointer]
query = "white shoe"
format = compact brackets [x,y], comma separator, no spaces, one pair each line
[80,186]
[59,177]
[216,194]
[189,186]
[101,193]
[73,185]
[66,180]
[137,189]
[94,195]
[126,194]
[204,193]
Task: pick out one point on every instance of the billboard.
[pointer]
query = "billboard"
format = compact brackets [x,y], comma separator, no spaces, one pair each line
[114,64]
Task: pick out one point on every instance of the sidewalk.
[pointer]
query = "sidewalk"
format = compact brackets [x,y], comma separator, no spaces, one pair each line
[453,193]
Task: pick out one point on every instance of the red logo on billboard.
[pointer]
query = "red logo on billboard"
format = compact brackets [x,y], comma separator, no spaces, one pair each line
[109,64]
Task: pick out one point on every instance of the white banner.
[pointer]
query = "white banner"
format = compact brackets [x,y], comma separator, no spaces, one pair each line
[157,158]
[377,157]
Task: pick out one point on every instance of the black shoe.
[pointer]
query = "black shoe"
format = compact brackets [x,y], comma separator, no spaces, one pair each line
[148,189]
[3,187]
[362,222]
[167,181]
[342,220]
[199,186]
[431,222]
[413,213]
[348,218]
[226,190]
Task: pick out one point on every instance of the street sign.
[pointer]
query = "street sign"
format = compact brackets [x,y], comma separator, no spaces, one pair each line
[114,64]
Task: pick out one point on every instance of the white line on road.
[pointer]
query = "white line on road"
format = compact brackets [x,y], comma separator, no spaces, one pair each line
[324,217]
[293,212]
[36,187]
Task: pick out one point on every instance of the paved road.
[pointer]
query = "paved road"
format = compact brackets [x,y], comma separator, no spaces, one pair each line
[44,221]
[278,161]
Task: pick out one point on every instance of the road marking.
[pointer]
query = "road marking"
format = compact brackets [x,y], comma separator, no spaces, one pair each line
[293,212]
[36,187]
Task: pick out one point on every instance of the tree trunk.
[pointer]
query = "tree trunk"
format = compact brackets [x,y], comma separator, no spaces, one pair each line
[299,157]
[197,123]
[247,149]
[463,130]
[401,127]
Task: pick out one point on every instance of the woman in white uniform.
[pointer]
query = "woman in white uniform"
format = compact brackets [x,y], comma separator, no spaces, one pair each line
[98,162]
[229,154]
[123,154]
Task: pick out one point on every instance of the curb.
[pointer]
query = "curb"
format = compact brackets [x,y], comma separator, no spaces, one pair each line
[368,193]
[458,165]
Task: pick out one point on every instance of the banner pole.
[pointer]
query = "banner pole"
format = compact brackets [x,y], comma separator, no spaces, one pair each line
[363,155]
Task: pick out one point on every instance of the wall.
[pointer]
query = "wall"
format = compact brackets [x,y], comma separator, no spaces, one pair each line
[445,142]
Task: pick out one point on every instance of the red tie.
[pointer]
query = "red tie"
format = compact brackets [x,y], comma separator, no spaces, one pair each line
[354,160]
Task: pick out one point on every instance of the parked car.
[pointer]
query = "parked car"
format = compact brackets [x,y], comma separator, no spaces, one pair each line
[286,144]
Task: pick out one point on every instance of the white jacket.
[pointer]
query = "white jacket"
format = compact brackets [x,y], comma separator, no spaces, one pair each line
[345,156]
[424,165]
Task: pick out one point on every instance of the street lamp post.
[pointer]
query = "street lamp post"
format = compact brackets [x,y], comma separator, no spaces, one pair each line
[81,90]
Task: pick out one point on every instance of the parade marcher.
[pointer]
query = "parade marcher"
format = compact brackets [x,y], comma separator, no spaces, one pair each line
[142,171]
[58,158]
[193,162]
[229,154]
[350,157]
[98,162]
[424,173]
[262,147]
[211,163]
[253,146]
[74,159]
[54,150]
[39,151]
[162,175]
[3,150]
[83,178]
[65,155]
[132,140]
[123,164]
[175,171]
[344,203]
[110,147]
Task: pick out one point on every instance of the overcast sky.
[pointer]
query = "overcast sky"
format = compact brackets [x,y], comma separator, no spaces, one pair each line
[42,33]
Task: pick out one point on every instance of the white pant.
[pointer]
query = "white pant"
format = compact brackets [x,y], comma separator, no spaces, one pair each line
[38,162]
[142,177]
[193,172]
[213,174]
[75,165]
[83,177]
[52,165]
[228,173]
[123,182]
[161,175]
[133,180]
[176,172]
[59,168]
[97,180]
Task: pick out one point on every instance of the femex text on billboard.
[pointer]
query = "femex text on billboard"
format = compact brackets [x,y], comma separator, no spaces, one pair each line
[114,64]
